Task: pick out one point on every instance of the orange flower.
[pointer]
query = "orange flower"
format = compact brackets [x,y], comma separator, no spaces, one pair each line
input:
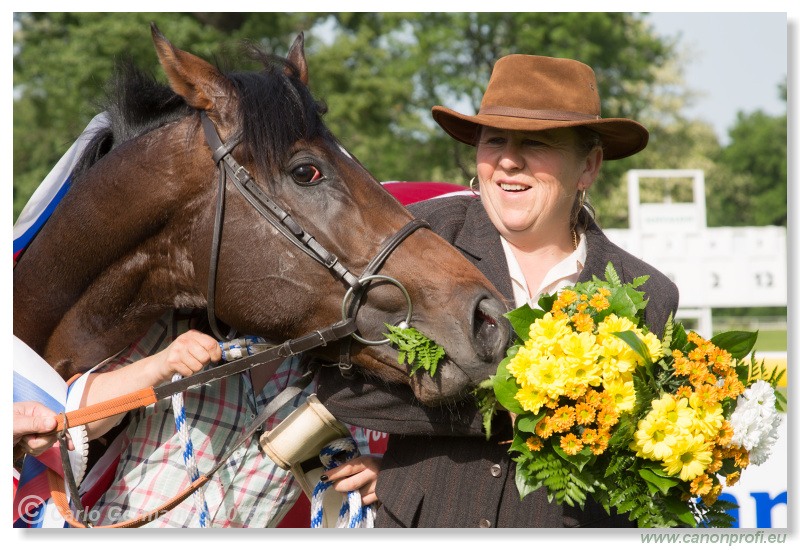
[725,434]
[682,366]
[701,485]
[732,386]
[742,458]
[732,479]
[708,395]
[544,428]
[563,418]
[534,443]
[593,398]
[603,437]
[599,302]
[589,436]
[607,417]
[716,461]
[565,298]
[571,444]
[583,322]
[695,338]
[683,392]
[584,414]
[712,496]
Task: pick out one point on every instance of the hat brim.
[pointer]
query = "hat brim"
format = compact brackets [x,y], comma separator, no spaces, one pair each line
[621,137]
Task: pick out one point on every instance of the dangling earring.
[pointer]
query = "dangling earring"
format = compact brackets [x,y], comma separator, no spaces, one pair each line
[472,186]
[581,199]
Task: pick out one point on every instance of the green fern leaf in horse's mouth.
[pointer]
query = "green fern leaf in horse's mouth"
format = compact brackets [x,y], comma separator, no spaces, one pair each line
[415,349]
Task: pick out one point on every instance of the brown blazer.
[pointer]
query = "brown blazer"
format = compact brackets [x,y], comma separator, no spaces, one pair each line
[439,470]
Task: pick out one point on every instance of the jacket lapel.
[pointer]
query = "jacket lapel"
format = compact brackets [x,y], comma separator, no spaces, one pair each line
[480,241]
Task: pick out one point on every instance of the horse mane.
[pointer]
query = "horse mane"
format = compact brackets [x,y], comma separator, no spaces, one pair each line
[275,110]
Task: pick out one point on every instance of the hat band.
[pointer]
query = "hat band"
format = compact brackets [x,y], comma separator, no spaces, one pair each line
[536,114]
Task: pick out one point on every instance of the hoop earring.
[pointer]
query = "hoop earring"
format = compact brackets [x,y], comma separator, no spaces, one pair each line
[471,186]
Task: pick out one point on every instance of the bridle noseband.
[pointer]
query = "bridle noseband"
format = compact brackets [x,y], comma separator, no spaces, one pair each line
[339,331]
[229,168]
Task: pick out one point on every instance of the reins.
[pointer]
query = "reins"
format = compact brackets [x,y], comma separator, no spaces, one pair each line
[339,331]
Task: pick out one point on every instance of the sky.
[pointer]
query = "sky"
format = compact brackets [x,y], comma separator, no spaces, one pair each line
[736,61]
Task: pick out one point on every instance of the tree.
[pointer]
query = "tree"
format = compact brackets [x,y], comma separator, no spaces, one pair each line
[62,61]
[379,73]
[754,190]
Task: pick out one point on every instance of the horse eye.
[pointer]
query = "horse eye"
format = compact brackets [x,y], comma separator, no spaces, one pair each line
[306,173]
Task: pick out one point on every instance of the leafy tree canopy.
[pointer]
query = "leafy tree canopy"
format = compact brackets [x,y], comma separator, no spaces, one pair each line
[380,74]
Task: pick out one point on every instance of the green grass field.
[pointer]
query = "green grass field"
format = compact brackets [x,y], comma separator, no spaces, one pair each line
[771,340]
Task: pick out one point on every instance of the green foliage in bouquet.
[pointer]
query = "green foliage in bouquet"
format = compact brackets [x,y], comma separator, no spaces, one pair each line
[416,349]
[648,428]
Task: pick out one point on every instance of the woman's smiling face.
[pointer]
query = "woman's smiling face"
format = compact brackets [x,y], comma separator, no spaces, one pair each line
[529,180]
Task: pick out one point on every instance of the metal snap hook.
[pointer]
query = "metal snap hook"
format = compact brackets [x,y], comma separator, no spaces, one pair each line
[392,280]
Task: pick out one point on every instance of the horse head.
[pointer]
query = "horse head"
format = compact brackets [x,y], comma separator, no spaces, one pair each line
[135,236]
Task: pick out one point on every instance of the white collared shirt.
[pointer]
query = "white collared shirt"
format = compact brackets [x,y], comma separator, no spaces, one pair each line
[564,273]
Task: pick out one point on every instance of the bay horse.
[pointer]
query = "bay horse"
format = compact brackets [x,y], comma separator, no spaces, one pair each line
[135,235]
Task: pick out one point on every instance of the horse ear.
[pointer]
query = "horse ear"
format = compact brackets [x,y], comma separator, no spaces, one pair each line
[196,80]
[298,57]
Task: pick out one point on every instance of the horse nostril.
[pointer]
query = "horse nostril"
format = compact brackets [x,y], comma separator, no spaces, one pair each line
[489,330]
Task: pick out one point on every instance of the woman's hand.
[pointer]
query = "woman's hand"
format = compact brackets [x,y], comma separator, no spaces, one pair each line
[359,474]
[34,428]
[187,354]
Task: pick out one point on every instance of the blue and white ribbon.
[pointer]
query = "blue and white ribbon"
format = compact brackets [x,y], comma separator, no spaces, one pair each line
[189,459]
[352,514]
[53,188]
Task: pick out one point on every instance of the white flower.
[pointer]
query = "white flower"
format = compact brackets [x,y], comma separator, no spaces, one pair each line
[755,421]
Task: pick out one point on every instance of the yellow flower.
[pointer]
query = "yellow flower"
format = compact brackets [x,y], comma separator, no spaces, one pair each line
[689,459]
[623,394]
[548,329]
[675,412]
[654,438]
[612,324]
[571,444]
[530,399]
[548,375]
[708,415]
[653,345]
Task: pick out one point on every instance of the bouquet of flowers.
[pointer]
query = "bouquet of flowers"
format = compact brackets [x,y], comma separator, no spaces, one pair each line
[647,427]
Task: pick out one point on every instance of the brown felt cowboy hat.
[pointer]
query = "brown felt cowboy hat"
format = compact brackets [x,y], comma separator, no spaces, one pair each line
[532,92]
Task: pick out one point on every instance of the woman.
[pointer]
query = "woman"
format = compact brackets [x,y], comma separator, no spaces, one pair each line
[540,143]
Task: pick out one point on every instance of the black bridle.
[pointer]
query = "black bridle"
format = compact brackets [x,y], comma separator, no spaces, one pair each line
[229,168]
[339,331]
